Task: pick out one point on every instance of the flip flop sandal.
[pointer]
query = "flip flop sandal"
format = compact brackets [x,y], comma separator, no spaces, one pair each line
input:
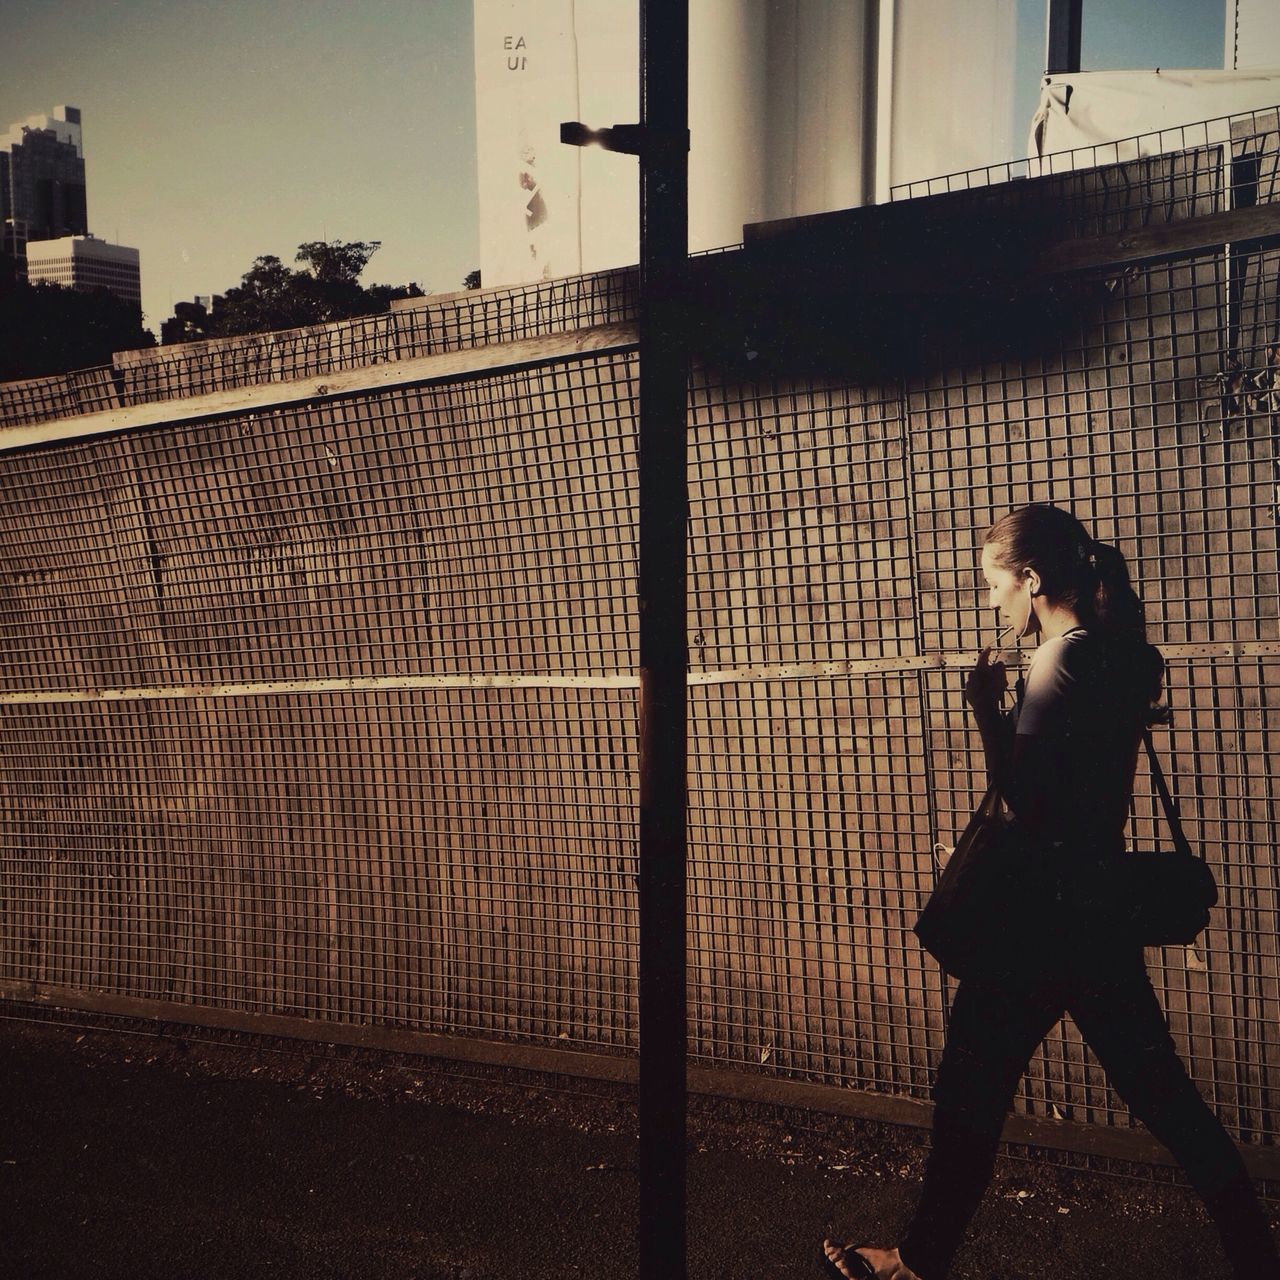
[855,1265]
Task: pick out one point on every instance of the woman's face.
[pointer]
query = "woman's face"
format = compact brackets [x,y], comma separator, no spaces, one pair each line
[1009,592]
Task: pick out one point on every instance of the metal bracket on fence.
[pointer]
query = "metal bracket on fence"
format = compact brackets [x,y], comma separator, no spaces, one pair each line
[627,139]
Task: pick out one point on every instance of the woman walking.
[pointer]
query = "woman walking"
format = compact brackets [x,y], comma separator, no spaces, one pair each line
[1064,762]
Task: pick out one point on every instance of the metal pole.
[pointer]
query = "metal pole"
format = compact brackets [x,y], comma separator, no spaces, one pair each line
[663,519]
[1062,46]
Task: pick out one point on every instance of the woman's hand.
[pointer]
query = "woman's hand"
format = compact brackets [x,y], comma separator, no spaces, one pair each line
[985,688]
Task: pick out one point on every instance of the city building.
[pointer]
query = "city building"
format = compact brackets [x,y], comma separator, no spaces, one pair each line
[190,320]
[42,185]
[84,262]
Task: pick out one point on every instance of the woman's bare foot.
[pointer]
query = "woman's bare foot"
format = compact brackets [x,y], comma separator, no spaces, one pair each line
[885,1264]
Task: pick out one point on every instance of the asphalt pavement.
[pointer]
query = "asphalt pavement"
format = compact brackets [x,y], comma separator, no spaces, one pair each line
[136,1158]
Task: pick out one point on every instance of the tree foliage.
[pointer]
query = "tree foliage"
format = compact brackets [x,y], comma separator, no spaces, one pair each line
[46,329]
[333,262]
[272,296]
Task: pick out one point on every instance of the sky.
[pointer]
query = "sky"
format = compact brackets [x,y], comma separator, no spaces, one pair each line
[214,133]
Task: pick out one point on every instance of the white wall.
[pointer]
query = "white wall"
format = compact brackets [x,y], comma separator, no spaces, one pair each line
[953,78]
[817,99]
[526,84]
[782,115]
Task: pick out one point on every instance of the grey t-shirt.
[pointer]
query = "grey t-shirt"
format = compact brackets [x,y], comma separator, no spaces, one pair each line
[1079,704]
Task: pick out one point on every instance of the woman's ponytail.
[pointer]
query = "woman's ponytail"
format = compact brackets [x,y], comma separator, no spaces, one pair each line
[1114,602]
[1120,613]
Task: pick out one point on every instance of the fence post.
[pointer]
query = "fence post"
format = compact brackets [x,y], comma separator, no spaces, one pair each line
[663,520]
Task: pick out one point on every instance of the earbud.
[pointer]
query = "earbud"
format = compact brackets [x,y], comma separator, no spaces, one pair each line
[1025,629]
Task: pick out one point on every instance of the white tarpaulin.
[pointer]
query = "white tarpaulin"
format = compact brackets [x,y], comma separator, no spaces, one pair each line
[1089,108]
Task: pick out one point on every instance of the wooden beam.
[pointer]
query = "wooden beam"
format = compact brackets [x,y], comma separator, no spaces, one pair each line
[1239,228]
[932,660]
[941,245]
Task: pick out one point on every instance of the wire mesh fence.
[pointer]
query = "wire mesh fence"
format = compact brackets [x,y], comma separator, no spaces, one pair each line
[328,711]
[66,395]
[412,328]
[1173,173]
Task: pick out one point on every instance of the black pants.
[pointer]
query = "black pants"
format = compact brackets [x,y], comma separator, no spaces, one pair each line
[993,1032]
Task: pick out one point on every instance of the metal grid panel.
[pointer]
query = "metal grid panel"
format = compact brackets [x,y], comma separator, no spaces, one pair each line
[477,526]
[809,861]
[73,558]
[1135,424]
[1223,994]
[1143,162]
[799,524]
[454,322]
[64,396]
[1255,157]
[200,368]
[461,858]
[485,316]
[458,860]
[1125,196]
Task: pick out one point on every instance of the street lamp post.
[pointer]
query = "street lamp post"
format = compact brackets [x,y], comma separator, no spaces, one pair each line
[661,141]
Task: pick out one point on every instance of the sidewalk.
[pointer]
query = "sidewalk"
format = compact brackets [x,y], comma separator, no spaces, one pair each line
[133,1158]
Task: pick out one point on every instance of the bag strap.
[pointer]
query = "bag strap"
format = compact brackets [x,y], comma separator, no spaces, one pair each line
[1180,841]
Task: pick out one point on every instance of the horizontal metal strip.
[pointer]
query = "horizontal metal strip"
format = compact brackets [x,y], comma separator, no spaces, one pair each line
[957,660]
[744,675]
[327,386]
[722,1082]
[357,684]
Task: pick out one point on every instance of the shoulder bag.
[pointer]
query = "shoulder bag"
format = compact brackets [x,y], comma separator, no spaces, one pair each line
[965,925]
[977,921]
[1164,896]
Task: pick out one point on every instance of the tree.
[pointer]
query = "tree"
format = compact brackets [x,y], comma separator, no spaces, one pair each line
[272,296]
[266,298]
[472,280]
[46,329]
[333,262]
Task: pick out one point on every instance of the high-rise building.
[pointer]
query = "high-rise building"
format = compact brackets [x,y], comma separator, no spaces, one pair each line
[42,188]
[83,262]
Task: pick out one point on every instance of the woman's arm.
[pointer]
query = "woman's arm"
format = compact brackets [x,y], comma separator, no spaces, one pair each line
[984,691]
[1016,763]
[995,728]
[1019,765]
